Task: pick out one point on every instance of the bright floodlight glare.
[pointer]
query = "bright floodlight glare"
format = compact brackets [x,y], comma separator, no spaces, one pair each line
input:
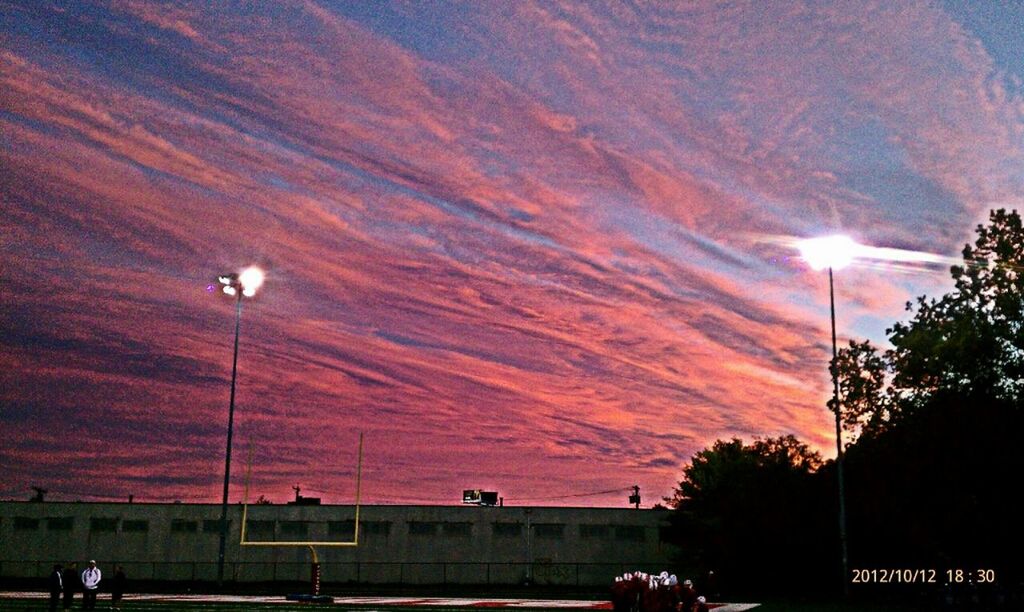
[224,280]
[834,252]
[228,289]
[251,279]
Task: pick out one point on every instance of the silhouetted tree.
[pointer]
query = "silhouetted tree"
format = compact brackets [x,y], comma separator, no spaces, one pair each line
[932,477]
[868,407]
[970,340]
[742,510]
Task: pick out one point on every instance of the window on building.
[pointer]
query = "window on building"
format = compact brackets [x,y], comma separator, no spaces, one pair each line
[422,528]
[103,524]
[508,530]
[343,530]
[549,531]
[60,523]
[666,534]
[595,531]
[260,529]
[458,530]
[295,529]
[184,526]
[630,533]
[382,528]
[346,530]
[213,525]
[134,526]
[23,523]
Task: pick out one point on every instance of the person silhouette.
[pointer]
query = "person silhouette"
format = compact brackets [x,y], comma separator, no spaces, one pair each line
[56,584]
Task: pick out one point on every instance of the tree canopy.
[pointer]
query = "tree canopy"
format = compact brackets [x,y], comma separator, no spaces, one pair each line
[738,502]
[933,467]
[970,340]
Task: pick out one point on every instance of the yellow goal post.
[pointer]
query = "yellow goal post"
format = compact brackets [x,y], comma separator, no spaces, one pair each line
[355,539]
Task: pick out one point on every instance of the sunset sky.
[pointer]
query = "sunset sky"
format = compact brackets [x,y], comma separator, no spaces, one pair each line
[538,248]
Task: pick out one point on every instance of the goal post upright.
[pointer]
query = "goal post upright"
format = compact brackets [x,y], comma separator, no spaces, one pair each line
[315,568]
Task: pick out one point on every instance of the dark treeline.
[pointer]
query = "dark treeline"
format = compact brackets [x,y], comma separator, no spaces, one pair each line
[934,458]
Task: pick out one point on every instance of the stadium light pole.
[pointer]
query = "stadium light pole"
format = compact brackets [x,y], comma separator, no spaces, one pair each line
[834,253]
[237,285]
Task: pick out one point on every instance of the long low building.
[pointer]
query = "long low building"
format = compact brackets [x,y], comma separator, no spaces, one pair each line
[397,544]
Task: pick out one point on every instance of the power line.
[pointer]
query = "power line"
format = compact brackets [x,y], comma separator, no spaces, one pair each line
[619,490]
[507,499]
[390,499]
[101,496]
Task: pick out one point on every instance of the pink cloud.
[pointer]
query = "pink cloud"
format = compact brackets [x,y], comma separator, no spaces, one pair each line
[530,268]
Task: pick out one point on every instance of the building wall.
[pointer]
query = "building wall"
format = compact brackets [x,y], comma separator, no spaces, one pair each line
[397,544]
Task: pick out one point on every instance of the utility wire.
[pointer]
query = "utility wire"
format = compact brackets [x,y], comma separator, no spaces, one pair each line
[507,499]
[102,496]
[520,499]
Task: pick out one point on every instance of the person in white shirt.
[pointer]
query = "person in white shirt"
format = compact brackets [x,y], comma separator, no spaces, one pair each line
[91,577]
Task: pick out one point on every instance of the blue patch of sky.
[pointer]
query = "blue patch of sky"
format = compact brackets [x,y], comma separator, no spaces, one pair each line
[446,32]
[520,215]
[998,25]
[673,241]
[866,147]
[869,163]
[274,180]
[128,58]
[150,172]
[157,174]
[404,340]
[871,327]
[38,126]
[429,28]
[114,45]
[491,164]
[463,211]
[485,356]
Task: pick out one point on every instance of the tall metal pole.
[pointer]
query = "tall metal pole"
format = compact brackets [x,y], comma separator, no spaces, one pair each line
[839,439]
[227,455]
[529,549]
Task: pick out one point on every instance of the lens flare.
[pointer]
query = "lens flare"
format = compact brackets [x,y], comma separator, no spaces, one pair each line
[834,252]
[838,251]
[251,280]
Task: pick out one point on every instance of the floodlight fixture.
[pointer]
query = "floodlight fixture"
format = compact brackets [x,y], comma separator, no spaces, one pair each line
[251,279]
[835,252]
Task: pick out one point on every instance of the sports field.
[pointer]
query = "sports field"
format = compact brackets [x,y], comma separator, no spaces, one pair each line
[237,603]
